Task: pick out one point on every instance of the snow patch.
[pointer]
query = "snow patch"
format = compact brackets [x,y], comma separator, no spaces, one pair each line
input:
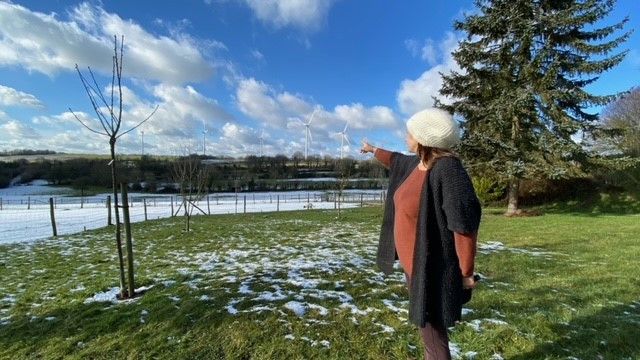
[385,328]
[470,355]
[111,296]
[231,306]
[297,307]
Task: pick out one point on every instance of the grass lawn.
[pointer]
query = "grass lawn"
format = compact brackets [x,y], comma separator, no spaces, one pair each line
[303,285]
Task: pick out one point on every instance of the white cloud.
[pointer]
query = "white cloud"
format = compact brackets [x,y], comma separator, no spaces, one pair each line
[413,46]
[14,129]
[4,117]
[257,100]
[74,141]
[426,51]
[188,102]
[284,111]
[429,53]
[241,140]
[360,117]
[416,94]
[307,15]
[177,123]
[181,112]
[43,43]
[12,97]
[257,55]
[64,119]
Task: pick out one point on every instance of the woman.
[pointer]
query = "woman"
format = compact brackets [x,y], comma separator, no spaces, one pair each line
[430,223]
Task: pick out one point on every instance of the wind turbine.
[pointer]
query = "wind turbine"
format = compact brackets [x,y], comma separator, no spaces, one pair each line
[204,138]
[261,138]
[307,134]
[343,137]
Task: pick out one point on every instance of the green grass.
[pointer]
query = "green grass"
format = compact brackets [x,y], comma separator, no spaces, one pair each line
[561,285]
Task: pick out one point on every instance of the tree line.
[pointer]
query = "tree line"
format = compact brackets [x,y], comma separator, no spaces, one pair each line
[154,174]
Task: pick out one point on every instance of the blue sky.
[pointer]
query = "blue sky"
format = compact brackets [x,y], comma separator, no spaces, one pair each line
[240,68]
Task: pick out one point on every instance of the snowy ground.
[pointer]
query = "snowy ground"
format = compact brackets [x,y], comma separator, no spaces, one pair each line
[273,275]
[314,282]
[25,213]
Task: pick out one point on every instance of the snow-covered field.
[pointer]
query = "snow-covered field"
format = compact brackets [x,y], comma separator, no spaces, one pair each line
[25,213]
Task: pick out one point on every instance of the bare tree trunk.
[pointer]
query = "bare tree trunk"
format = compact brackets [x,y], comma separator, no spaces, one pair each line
[123,291]
[512,204]
[127,228]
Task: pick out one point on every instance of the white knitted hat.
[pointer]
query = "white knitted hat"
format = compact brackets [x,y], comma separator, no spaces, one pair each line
[435,128]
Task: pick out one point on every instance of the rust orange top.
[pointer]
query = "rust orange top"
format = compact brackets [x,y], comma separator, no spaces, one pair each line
[406,202]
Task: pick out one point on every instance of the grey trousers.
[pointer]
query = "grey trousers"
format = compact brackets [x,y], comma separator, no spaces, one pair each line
[435,338]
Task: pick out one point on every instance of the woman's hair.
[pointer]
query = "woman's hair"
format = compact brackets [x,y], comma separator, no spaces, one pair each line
[429,155]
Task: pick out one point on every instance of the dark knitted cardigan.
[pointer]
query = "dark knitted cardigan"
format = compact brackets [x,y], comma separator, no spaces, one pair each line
[448,204]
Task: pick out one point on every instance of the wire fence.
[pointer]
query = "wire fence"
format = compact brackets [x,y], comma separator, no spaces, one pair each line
[27,218]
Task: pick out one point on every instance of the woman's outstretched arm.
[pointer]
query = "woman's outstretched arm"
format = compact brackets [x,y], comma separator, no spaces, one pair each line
[384,156]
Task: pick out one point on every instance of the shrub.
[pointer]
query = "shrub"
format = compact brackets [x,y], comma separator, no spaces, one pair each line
[488,190]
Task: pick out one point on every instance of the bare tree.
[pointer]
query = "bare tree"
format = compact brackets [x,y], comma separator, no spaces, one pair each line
[344,167]
[108,109]
[192,178]
[623,118]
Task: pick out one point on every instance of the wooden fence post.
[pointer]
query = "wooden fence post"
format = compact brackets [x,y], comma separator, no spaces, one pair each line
[145,208]
[245,204]
[278,203]
[127,229]
[53,217]
[28,202]
[172,206]
[208,206]
[108,210]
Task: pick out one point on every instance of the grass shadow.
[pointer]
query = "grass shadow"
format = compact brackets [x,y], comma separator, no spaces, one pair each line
[610,333]
[79,330]
[591,204]
[617,203]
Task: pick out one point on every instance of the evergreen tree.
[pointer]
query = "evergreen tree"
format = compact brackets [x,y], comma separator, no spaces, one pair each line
[521,89]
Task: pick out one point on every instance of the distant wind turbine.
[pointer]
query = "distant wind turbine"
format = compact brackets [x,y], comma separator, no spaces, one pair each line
[307,135]
[204,138]
[261,138]
[142,132]
[343,137]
